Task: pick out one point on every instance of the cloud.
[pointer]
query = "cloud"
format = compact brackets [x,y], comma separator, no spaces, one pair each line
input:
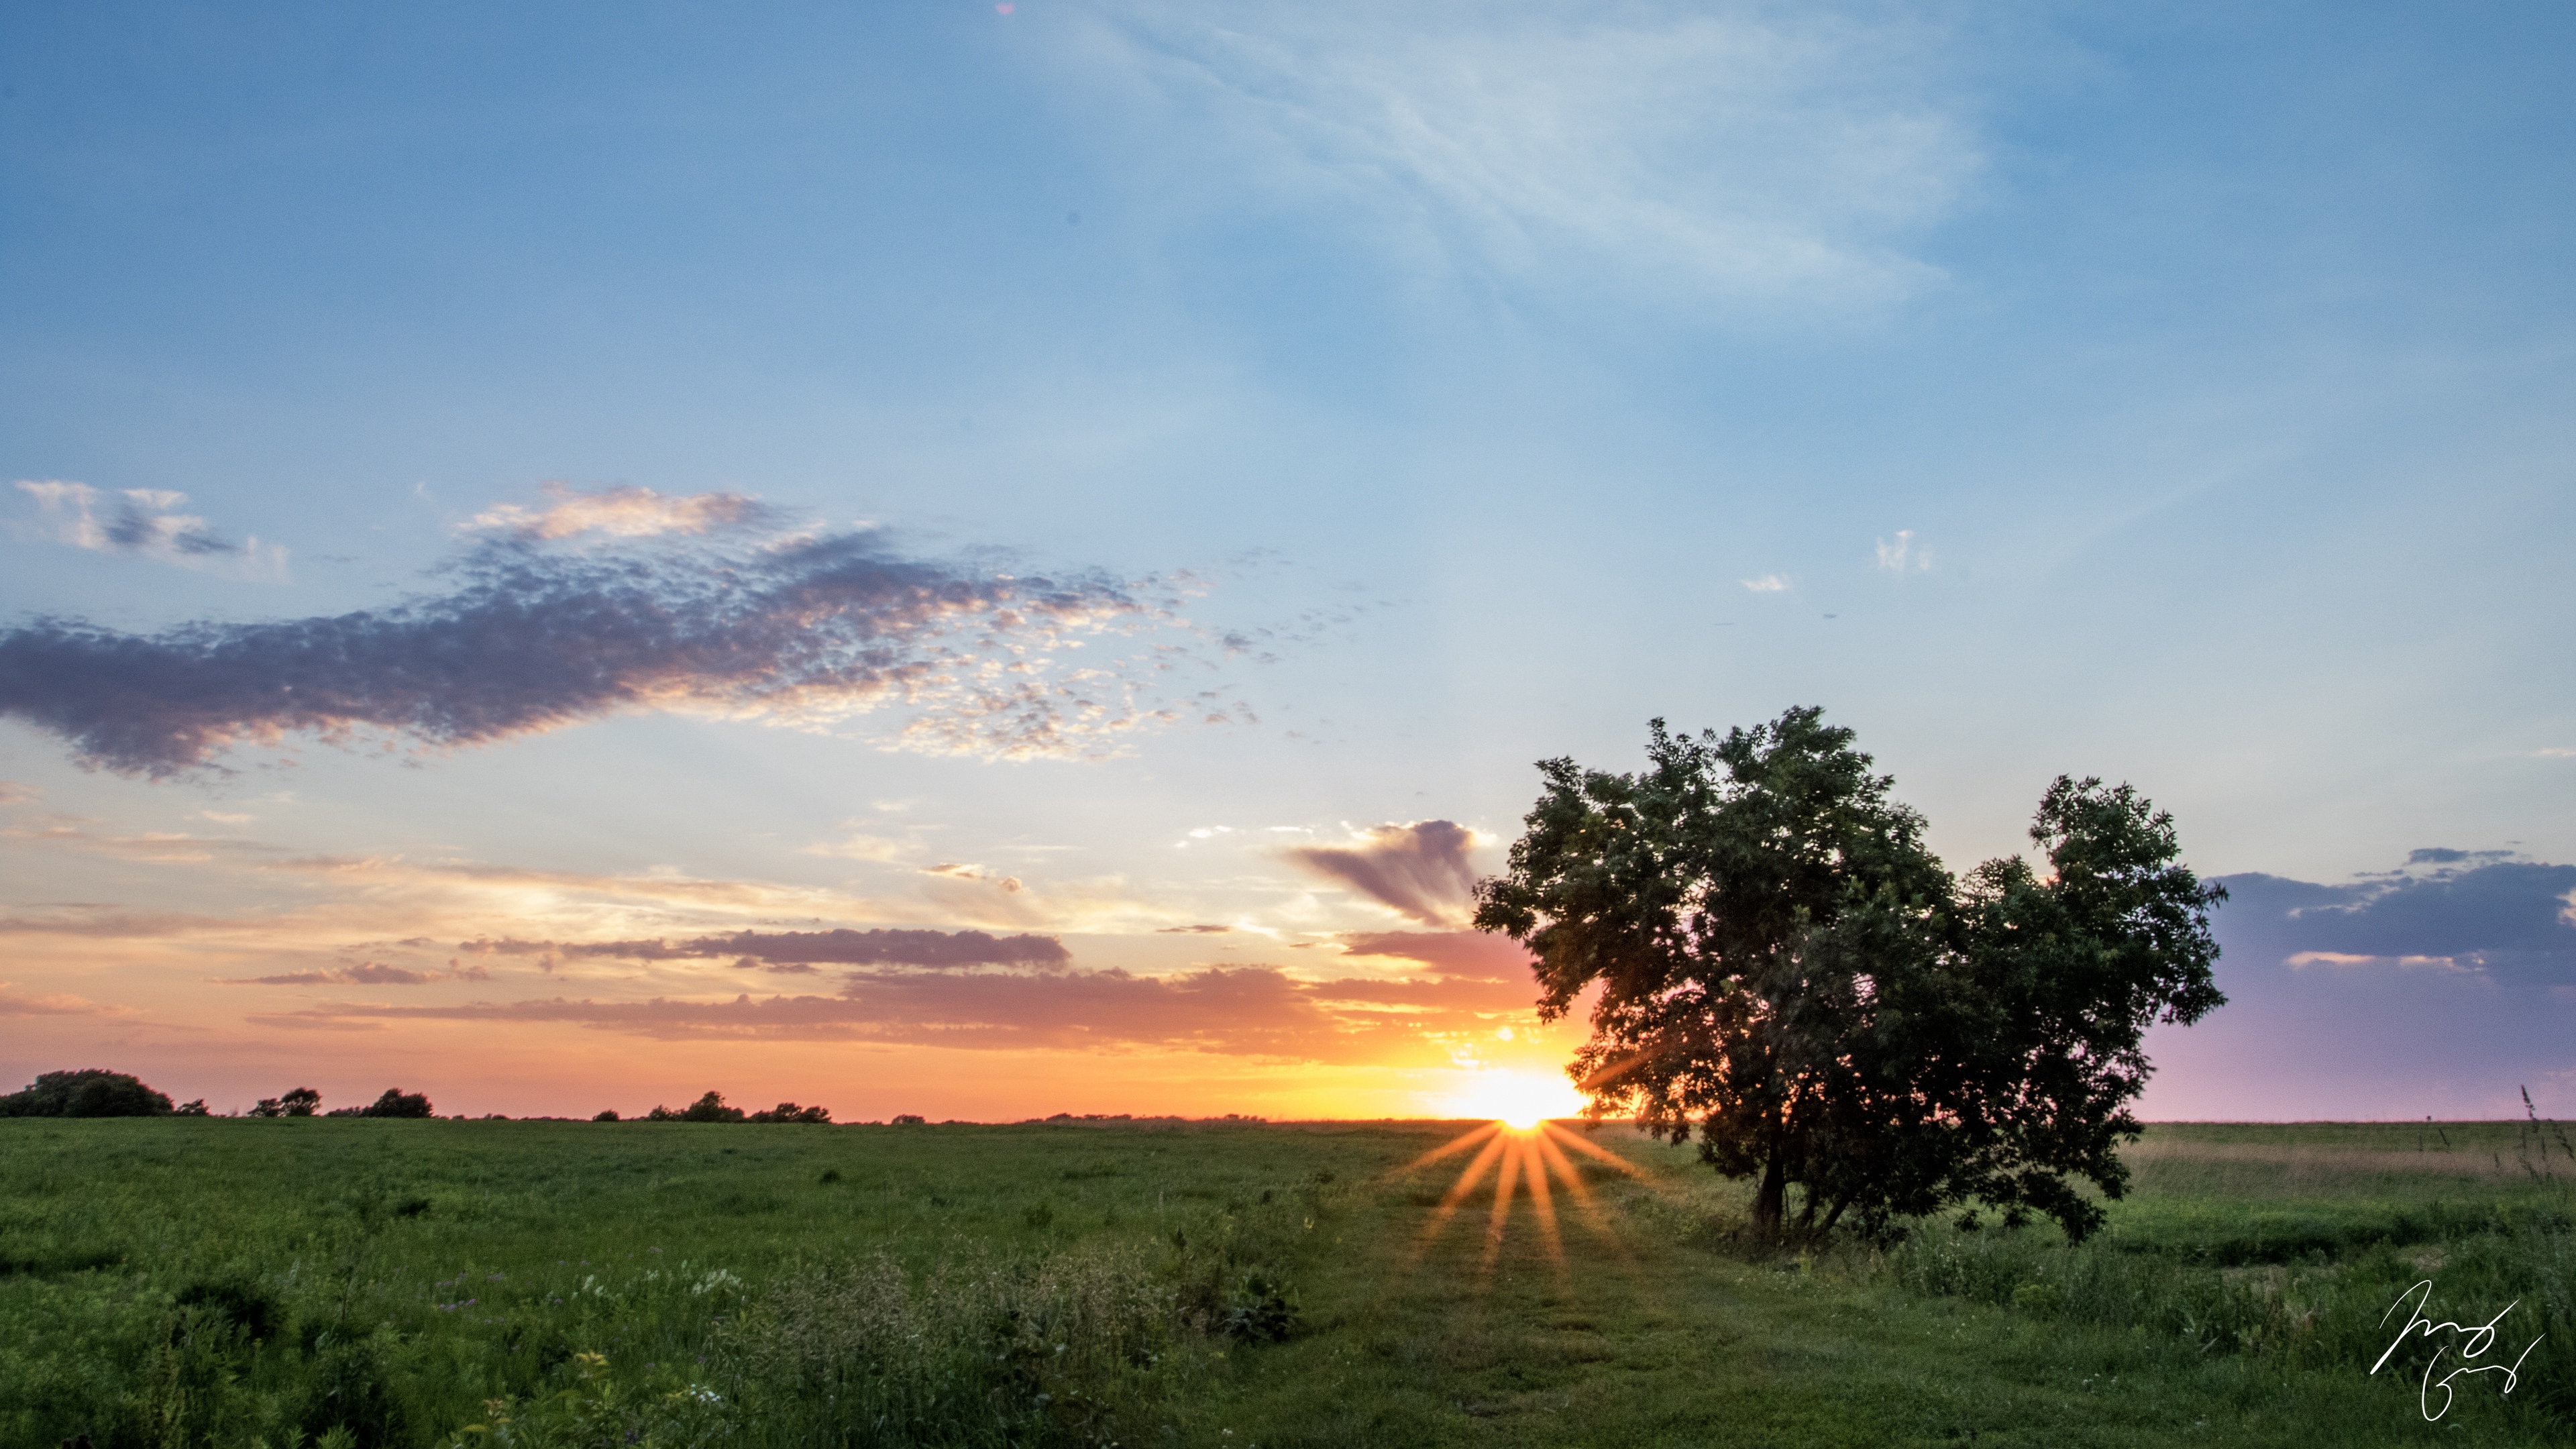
[1767,584]
[1734,158]
[1901,555]
[806,631]
[1468,955]
[2487,912]
[1192,930]
[807,949]
[1249,1011]
[624,512]
[365,973]
[13,1004]
[1419,870]
[2340,958]
[144,521]
[1254,1010]
[14,793]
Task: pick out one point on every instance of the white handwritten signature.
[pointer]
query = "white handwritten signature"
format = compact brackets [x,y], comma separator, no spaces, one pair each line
[2480,1339]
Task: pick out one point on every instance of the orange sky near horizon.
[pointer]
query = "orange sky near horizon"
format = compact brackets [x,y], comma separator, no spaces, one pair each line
[562,993]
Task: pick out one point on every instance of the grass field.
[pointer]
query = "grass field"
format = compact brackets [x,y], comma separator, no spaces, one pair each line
[236,1282]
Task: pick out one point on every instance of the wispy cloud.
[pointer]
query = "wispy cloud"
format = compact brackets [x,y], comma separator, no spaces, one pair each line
[145,522]
[621,512]
[1736,155]
[1253,1011]
[804,630]
[13,1003]
[1418,870]
[806,949]
[1901,555]
[1249,1011]
[1767,584]
[1467,955]
[365,973]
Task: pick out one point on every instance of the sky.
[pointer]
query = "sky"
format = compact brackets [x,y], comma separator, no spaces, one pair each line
[999,559]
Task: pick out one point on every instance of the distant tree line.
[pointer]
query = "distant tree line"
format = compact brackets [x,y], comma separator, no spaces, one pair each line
[712,1108]
[96,1093]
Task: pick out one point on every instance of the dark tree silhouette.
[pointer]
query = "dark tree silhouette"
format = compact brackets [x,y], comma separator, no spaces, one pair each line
[1788,973]
[398,1103]
[88,1093]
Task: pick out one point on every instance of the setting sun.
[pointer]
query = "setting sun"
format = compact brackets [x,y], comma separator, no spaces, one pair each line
[1519,1100]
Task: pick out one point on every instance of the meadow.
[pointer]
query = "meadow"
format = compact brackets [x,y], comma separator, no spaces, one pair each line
[294,1282]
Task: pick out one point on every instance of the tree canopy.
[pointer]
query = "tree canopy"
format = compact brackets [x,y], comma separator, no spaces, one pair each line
[89,1093]
[1786,971]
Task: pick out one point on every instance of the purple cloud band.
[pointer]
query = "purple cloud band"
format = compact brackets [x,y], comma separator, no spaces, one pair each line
[811,948]
[533,639]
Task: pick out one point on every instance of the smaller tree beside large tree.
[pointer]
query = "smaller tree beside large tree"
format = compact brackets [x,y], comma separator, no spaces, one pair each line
[1787,972]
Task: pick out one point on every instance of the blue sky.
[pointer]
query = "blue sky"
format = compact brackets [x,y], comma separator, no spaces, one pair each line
[2179,398]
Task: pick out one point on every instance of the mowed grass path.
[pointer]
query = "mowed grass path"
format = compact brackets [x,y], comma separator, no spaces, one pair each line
[487,1250]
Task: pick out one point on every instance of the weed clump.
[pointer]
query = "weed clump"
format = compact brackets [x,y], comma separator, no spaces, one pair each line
[1057,1348]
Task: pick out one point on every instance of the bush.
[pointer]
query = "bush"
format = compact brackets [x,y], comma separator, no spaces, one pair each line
[90,1093]
[709,1108]
[398,1103]
[790,1112]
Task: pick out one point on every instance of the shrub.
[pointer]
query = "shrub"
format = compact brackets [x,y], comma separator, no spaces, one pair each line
[709,1108]
[90,1093]
[398,1103]
[790,1112]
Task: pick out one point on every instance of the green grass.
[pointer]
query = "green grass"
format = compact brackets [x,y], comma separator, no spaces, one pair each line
[818,1281]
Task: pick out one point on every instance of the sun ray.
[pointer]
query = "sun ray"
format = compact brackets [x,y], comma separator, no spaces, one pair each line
[1605,1154]
[1516,1147]
[1454,1144]
[1468,1177]
[1542,1202]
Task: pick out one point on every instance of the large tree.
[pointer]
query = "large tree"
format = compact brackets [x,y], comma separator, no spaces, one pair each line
[90,1093]
[1787,972]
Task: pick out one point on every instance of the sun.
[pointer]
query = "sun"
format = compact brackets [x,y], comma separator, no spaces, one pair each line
[1518,1100]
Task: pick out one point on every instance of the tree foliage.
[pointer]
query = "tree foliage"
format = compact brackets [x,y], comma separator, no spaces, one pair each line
[398,1103]
[88,1093]
[1786,971]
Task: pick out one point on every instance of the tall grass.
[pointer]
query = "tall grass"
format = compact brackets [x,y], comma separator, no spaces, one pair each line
[2292,1252]
[255,1283]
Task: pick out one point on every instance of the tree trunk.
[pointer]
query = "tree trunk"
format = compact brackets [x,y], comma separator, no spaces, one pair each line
[1769,1203]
